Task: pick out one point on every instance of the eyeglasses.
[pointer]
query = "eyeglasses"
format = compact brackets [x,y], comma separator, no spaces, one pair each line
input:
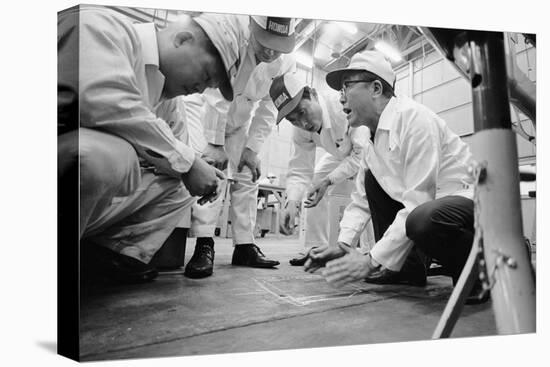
[348,83]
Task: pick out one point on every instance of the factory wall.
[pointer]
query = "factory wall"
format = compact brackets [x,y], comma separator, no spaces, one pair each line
[435,83]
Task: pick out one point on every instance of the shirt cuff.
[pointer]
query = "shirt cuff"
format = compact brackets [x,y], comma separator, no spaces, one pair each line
[215,137]
[255,146]
[392,260]
[183,158]
[347,235]
[336,178]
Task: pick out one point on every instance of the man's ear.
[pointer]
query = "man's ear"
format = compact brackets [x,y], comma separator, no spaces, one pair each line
[314,93]
[182,37]
[378,89]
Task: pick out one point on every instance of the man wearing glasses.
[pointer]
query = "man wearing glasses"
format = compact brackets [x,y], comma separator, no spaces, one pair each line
[416,189]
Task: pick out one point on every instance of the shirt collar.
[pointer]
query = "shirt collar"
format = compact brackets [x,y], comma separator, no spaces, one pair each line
[386,120]
[148,37]
[150,53]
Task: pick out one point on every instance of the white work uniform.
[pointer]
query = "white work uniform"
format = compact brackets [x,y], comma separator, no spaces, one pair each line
[201,219]
[415,158]
[245,122]
[124,205]
[344,151]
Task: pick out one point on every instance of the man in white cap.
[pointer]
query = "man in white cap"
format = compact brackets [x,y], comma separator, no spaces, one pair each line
[414,184]
[318,122]
[236,132]
[136,177]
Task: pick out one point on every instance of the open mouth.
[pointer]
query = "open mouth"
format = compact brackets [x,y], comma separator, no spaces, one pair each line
[347,111]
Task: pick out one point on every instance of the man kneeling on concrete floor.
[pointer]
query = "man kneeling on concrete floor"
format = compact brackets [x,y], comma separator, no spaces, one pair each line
[136,177]
[414,183]
[318,122]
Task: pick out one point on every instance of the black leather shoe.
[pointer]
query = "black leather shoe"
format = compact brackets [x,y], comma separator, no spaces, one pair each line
[117,267]
[386,276]
[251,255]
[201,264]
[300,260]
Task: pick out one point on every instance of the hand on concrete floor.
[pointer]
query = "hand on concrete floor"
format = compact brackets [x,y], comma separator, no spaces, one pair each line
[349,268]
[318,257]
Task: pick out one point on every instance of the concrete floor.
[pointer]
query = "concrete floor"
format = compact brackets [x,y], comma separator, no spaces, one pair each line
[242,309]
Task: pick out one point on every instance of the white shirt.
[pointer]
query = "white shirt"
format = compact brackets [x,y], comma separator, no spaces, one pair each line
[120,84]
[251,95]
[336,137]
[415,158]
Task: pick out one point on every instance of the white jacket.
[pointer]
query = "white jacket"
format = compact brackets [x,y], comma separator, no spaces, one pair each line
[251,95]
[415,158]
[336,137]
[120,85]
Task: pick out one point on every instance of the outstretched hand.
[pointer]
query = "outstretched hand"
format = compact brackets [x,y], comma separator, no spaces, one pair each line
[316,193]
[288,215]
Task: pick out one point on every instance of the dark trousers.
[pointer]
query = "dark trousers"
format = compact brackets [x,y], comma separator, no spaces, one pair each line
[442,229]
[383,211]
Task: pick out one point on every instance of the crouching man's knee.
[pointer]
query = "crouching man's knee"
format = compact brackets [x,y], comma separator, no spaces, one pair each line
[108,162]
[419,223]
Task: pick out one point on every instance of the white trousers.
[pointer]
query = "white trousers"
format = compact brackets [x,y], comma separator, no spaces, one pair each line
[317,231]
[243,196]
[122,206]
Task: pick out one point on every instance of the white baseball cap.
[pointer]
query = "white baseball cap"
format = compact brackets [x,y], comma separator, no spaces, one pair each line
[286,92]
[275,33]
[371,61]
[227,33]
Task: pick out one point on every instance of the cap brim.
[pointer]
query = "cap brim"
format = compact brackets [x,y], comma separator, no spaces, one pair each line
[334,78]
[290,106]
[283,44]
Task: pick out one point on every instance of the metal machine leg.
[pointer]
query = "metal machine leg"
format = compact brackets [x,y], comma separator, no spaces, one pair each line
[506,269]
[509,274]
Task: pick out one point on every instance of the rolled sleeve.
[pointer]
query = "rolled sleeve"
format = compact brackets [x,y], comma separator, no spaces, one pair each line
[262,124]
[215,117]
